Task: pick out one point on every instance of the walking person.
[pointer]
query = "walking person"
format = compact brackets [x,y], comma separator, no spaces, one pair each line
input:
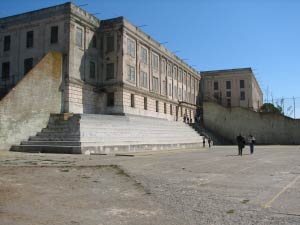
[241,143]
[209,142]
[203,141]
[251,143]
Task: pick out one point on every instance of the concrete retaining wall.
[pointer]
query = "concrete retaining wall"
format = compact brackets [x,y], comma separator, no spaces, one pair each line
[267,128]
[25,109]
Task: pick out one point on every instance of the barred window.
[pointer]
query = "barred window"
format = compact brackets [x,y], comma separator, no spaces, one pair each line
[5,70]
[54,35]
[130,47]
[79,37]
[242,84]
[6,46]
[110,44]
[131,73]
[29,39]
[163,66]
[110,68]
[28,64]
[175,73]
[143,79]
[155,84]
[228,84]
[155,62]
[144,55]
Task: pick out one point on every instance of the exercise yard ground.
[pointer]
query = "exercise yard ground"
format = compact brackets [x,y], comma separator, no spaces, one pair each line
[181,187]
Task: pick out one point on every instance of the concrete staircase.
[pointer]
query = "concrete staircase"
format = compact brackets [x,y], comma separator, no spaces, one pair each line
[92,133]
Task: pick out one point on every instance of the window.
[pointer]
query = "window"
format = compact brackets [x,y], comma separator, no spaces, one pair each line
[216,85]
[144,53]
[169,70]
[132,100]
[184,95]
[92,70]
[179,93]
[6,46]
[216,95]
[180,75]
[79,37]
[131,74]
[94,41]
[171,109]
[184,78]
[54,35]
[164,87]
[5,70]
[175,92]
[110,44]
[242,84]
[143,79]
[175,73]
[242,95]
[111,99]
[228,85]
[29,39]
[155,62]
[170,90]
[229,102]
[130,47]
[155,84]
[156,106]
[110,73]
[228,94]
[163,66]
[145,103]
[165,108]
[28,64]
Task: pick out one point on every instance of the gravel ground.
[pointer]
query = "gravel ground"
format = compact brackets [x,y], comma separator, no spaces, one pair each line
[206,186]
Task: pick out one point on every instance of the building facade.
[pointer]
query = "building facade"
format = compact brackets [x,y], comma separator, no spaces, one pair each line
[109,66]
[232,88]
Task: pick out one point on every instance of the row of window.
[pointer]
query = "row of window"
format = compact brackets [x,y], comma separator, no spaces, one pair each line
[30,39]
[28,64]
[228,95]
[178,74]
[228,85]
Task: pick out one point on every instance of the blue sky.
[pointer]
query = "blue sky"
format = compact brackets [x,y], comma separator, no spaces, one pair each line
[213,34]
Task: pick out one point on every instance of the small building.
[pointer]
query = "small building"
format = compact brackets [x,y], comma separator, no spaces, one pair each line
[232,88]
[109,66]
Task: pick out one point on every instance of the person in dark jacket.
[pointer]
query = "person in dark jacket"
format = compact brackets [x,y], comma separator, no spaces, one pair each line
[241,143]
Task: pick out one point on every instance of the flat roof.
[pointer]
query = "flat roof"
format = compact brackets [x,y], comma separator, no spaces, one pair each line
[227,70]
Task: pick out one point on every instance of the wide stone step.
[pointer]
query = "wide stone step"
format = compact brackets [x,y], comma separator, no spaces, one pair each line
[108,149]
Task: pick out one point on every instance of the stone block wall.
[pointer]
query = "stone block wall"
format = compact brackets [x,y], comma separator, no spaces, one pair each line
[26,108]
[267,128]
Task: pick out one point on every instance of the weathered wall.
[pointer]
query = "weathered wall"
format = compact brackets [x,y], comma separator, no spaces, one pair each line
[267,128]
[25,109]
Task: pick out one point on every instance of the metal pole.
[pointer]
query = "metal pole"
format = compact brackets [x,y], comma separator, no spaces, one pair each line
[294,108]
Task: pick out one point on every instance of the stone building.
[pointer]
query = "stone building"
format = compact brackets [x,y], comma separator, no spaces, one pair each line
[62,69]
[109,66]
[232,88]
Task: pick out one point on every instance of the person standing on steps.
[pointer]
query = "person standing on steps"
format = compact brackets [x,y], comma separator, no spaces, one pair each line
[251,143]
[203,141]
